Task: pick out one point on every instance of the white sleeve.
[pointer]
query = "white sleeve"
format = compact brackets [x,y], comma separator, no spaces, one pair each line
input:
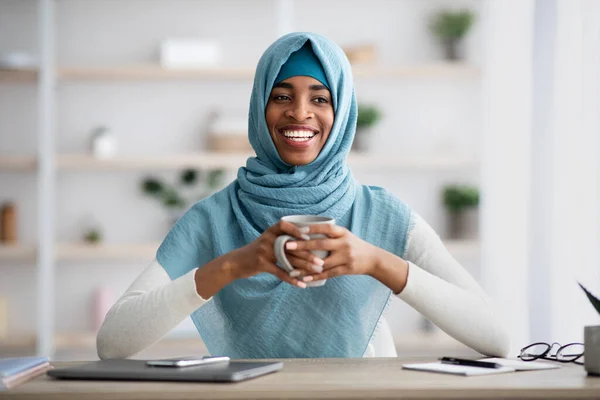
[445,293]
[149,309]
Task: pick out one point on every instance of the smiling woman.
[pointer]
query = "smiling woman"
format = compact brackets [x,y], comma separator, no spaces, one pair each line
[217,264]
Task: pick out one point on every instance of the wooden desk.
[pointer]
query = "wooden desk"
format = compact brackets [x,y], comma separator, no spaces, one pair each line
[334,379]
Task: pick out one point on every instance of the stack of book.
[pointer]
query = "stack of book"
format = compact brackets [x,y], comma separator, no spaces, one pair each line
[15,371]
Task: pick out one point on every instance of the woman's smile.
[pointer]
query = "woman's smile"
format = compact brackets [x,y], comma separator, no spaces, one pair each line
[298,136]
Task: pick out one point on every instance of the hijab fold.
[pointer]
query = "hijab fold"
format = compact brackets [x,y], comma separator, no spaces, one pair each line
[263,317]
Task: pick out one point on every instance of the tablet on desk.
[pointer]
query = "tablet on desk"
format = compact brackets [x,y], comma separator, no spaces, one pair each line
[138,370]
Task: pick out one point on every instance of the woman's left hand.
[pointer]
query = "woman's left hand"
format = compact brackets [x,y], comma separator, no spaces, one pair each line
[348,254]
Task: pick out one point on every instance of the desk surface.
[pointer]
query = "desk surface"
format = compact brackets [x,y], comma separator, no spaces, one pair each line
[333,379]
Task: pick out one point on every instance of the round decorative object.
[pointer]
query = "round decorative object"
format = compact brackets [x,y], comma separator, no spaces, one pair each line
[104,144]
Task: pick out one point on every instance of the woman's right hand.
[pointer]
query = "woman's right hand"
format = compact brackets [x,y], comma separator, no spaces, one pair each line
[259,256]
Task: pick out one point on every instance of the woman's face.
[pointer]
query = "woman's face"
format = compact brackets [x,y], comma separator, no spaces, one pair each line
[299,116]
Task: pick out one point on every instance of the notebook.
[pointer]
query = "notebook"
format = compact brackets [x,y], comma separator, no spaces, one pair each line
[12,366]
[19,378]
[456,369]
[507,366]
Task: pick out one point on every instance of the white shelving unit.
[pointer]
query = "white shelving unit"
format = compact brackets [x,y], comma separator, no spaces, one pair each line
[46,252]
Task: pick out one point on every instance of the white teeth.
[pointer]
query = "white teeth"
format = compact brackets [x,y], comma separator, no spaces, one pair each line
[298,135]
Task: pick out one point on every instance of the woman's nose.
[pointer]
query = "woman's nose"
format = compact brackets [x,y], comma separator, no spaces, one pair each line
[299,111]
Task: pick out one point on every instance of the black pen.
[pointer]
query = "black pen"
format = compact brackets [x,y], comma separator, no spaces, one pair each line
[469,363]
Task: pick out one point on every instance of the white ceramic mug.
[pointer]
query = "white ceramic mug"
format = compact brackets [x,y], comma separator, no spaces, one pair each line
[301,221]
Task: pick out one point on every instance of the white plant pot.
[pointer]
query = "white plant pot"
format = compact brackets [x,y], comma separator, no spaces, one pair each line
[463,224]
[591,344]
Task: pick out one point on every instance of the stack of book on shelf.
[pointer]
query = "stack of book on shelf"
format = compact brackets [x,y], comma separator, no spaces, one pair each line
[16,371]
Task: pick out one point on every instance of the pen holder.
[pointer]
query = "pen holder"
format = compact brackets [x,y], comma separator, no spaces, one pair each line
[591,343]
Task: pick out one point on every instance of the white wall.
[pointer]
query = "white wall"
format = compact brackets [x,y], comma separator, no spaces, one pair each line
[422,116]
[567,170]
[506,161]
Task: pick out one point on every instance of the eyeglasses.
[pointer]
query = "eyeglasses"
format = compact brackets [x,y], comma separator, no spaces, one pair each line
[572,352]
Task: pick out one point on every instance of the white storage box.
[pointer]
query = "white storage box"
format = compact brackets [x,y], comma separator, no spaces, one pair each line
[190,53]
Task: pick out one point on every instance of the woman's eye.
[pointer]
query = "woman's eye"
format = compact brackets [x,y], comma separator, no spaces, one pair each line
[322,100]
[281,97]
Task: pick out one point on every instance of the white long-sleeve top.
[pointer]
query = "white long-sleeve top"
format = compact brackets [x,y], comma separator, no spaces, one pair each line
[437,286]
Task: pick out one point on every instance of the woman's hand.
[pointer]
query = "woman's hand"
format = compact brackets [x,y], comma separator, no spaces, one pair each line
[348,254]
[258,256]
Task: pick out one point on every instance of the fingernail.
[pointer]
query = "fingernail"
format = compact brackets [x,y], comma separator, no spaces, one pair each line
[317,268]
[304,229]
[307,278]
[301,284]
[295,273]
[291,245]
[305,237]
[318,261]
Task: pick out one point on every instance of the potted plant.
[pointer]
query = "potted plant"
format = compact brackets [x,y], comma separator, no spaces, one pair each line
[93,236]
[461,202]
[591,340]
[368,116]
[450,27]
[175,197]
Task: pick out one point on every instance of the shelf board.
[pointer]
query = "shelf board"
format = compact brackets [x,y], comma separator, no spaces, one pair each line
[432,70]
[147,251]
[399,162]
[100,252]
[156,72]
[18,163]
[17,252]
[18,75]
[194,160]
[150,72]
[63,340]
[82,251]
[227,161]
[232,161]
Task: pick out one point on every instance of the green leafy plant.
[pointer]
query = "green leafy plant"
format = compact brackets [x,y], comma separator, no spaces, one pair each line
[459,197]
[93,236]
[593,299]
[172,196]
[368,115]
[451,25]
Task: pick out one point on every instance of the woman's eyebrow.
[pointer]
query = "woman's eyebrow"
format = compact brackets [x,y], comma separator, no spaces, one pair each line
[284,85]
[287,85]
[318,87]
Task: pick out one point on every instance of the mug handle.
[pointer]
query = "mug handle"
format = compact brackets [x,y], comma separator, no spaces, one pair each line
[279,250]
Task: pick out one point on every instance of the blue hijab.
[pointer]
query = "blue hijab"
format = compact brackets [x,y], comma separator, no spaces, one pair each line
[263,317]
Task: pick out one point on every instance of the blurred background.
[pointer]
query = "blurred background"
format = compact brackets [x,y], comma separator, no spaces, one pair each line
[115,116]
